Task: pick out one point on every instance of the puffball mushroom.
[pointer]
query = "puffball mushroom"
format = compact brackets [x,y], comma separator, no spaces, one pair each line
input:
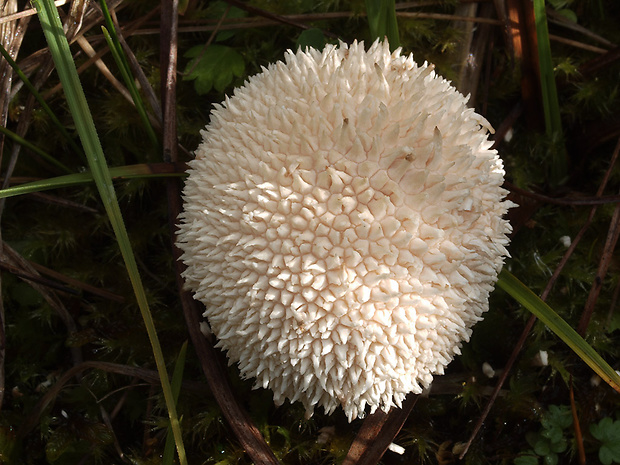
[343,226]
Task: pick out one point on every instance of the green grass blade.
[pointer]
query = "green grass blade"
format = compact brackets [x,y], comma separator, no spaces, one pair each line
[382,21]
[123,65]
[55,121]
[522,294]
[42,153]
[59,48]
[551,104]
[77,179]
[176,381]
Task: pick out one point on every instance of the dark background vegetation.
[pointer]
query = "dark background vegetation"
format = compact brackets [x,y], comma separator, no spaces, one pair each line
[79,380]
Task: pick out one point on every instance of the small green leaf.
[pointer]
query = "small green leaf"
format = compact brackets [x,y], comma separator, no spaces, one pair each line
[551,459]
[542,447]
[213,67]
[558,418]
[599,431]
[311,38]
[526,459]
[608,432]
[605,455]
[531,437]
[559,446]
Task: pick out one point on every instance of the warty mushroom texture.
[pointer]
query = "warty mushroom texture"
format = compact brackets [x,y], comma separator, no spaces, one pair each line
[343,225]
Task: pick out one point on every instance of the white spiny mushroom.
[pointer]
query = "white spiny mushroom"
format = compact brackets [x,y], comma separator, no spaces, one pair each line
[343,226]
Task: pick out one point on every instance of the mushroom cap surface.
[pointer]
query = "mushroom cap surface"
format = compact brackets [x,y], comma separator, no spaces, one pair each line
[343,226]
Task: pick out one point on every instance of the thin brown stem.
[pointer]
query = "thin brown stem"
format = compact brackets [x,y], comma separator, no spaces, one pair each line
[606,259]
[576,425]
[377,433]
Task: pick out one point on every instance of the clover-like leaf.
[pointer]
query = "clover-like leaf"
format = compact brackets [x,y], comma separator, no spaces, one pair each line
[607,431]
[213,67]
[558,418]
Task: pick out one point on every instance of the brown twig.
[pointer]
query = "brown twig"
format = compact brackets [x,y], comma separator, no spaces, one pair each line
[469,79]
[593,66]
[448,17]
[103,69]
[577,44]
[606,258]
[168,60]
[61,201]
[576,425]
[557,18]
[377,433]
[610,243]
[502,15]
[13,259]
[463,58]
[76,283]
[612,306]
[568,201]
[32,278]
[108,423]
